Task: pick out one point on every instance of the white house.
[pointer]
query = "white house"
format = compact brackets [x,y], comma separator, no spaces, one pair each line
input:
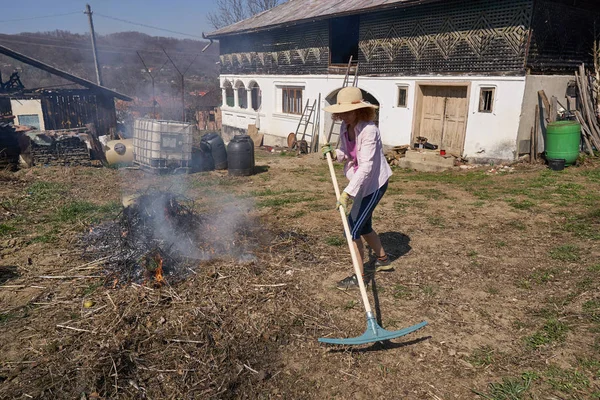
[463,73]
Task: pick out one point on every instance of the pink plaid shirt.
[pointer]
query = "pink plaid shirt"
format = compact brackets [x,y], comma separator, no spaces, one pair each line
[373,170]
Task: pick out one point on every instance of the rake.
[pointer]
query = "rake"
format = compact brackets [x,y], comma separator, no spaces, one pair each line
[374,332]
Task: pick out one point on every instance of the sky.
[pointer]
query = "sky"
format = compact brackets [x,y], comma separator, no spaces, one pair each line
[184,16]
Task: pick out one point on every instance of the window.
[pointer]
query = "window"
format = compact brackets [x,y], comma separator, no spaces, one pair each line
[402,96]
[255,96]
[229,95]
[343,39]
[211,117]
[291,100]
[242,97]
[30,120]
[486,100]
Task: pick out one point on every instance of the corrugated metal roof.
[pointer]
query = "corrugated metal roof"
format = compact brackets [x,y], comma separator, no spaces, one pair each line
[297,11]
[70,77]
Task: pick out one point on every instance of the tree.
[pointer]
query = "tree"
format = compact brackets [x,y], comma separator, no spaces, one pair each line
[231,11]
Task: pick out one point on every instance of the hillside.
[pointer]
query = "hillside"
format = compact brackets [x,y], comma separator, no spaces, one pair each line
[122,69]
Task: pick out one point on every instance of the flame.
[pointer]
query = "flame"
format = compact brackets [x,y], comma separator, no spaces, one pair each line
[158,273]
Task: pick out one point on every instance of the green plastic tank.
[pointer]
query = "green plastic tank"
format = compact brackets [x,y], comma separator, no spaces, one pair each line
[562,141]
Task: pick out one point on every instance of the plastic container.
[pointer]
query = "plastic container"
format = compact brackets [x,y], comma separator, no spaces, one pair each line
[202,160]
[216,146]
[240,156]
[119,152]
[556,164]
[563,139]
[162,145]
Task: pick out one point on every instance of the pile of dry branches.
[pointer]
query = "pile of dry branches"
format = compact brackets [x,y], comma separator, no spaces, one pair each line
[159,234]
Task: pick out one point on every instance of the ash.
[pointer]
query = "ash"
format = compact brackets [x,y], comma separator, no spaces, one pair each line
[160,230]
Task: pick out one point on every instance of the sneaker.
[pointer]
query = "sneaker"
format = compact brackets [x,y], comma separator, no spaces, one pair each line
[350,282]
[383,265]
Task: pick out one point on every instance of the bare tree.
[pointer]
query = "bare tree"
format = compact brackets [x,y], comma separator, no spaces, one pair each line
[231,11]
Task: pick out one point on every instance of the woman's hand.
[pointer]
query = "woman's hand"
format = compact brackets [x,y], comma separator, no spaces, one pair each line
[345,202]
[326,148]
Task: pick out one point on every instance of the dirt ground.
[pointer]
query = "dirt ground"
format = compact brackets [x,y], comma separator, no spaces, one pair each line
[503,264]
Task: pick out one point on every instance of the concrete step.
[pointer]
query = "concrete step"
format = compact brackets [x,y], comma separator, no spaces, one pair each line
[426,161]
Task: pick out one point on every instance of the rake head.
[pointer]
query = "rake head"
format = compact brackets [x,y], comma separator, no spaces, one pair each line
[374,333]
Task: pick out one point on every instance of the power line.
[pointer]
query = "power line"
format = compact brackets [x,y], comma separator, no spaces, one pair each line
[39,17]
[148,26]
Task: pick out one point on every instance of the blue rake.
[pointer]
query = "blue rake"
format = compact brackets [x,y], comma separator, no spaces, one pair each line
[374,332]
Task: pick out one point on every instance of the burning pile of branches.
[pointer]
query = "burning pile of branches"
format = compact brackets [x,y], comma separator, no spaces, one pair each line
[158,236]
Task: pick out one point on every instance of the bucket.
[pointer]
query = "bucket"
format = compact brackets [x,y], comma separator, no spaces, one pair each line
[562,141]
[556,164]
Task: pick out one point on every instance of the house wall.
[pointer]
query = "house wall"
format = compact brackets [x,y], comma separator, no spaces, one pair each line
[27,107]
[491,135]
[552,85]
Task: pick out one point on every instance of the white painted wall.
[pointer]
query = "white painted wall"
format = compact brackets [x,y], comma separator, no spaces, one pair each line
[489,135]
[552,85]
[28,107]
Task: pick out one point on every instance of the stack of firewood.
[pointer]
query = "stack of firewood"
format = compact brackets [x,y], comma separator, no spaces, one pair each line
[587,113]
[395,154]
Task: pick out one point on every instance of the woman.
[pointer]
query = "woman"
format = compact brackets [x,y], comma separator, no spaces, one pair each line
[367,171]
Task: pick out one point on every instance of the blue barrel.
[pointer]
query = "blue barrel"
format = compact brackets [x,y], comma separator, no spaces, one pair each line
[240,156]
[215,143]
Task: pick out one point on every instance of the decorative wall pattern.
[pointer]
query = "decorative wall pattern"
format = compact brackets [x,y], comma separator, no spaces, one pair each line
[301,50]
[461,36]
[454,36]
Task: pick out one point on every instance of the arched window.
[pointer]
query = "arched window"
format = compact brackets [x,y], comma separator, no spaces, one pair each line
[229,95]
[255,95]
[242,94]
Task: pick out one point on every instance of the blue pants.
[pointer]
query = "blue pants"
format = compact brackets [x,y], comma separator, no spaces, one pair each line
[362,225]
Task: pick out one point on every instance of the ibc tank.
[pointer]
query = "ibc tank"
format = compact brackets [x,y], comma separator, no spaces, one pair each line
[240,152]
[217,149]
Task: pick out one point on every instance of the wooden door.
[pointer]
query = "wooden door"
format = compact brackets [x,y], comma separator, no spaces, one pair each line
[444,117]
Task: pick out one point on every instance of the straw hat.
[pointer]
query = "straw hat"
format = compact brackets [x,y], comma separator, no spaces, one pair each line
[349,99]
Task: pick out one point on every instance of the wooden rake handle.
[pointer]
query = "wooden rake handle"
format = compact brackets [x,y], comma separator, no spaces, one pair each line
[355,262]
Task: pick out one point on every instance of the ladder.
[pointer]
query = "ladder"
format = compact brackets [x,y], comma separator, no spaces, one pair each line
[344,84]
[305,119]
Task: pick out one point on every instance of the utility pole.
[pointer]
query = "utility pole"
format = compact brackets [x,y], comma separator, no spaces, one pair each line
[88,11]
[182,82]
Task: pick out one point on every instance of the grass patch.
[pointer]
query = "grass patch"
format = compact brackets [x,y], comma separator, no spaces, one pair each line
[566,380]
[45,191]
[86,211]
[271,192]
[520,204]
[432,194]
[436,221]
[6,230]
[278,202]
[50,236]
[565,253]
[482,356]
[508,389]
[591,309]
[335,241]
[401,292]
[518,225]
[553,331]
[594,268]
